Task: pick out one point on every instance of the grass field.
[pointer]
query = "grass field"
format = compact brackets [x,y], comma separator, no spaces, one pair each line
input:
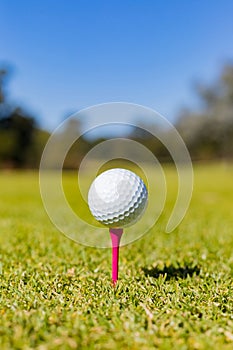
[175,290]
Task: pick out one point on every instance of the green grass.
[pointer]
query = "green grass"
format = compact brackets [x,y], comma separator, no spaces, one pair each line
[175,290]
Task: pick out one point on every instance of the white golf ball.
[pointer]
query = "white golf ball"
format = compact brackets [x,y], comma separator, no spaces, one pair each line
[117,198]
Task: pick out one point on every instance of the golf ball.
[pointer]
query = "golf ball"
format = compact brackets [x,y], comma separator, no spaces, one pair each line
[117,198]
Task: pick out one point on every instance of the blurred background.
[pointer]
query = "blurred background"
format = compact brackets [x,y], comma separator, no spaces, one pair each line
[57,58]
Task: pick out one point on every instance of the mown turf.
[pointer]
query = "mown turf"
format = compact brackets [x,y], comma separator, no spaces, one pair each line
[175,290]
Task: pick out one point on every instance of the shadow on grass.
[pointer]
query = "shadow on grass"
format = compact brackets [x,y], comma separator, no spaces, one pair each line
[172,271]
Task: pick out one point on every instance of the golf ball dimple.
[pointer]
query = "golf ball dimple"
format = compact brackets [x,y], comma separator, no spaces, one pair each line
[117,198]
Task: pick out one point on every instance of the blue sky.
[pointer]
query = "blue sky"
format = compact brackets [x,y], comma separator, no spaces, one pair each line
[69,55]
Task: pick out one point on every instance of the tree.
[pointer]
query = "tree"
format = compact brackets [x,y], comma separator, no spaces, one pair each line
[21,142]
[209,132]
[3,73]
[18,129]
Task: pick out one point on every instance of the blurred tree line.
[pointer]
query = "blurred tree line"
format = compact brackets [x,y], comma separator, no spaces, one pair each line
[21,140]
[208,132]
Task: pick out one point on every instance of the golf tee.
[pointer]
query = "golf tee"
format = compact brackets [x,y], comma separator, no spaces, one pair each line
[115,234]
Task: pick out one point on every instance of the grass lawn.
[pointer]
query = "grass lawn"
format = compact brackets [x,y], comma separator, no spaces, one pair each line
[175,290]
